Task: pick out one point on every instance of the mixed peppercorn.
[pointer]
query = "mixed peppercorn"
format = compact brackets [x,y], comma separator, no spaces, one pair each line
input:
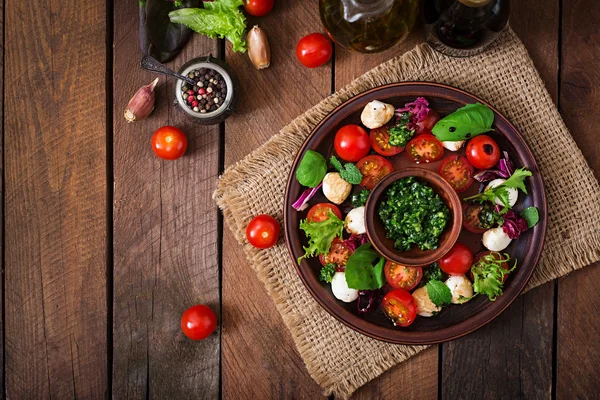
[208,94]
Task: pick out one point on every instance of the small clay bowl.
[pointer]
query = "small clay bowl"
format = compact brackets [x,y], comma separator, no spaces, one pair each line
[414,257]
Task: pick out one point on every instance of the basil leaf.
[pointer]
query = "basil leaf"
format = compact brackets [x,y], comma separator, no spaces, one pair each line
[438,292]
[360,272]
[312,169]
[531,215]
[464,123]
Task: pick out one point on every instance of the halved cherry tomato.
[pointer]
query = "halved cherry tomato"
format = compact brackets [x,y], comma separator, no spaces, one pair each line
[428,123]
[457,171]
[351,143]
[373,168]
[263,231]
[483,152]
[478,257]
[320,212]
[380,140]
[314,50]
[424,148]
[399,306]
[338,254]
[471,220]
[457,261]
[401,277]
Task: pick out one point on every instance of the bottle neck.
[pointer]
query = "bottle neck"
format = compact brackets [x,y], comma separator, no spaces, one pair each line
[355,10]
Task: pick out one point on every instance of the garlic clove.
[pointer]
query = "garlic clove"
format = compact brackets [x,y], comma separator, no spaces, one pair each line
[259,51]
[140,106]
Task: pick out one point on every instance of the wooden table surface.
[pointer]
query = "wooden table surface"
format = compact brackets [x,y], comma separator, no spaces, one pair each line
[105,245]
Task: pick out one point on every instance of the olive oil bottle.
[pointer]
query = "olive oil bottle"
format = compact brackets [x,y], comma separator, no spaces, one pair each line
[368,26]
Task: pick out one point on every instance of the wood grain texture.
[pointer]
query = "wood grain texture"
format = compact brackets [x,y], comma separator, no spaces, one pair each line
[55,200]
[2,367]
[578,350]
[165,235]
[259,356]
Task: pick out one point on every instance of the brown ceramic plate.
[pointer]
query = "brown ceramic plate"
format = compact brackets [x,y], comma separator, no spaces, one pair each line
[456,320]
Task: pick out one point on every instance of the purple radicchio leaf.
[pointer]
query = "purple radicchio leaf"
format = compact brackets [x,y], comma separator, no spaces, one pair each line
[302,201]
[504,169]
[366,300]
[417,110]
[513,224]
[355,241]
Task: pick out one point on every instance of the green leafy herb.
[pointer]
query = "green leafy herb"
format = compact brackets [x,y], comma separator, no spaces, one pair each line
[464,123]
[177,3]
[360,272]
[360,199]
[399,133]
[312,169]
[439,293]
[218,18]
[531,215]
[321,234]
[349,172]
[489,272]
[516,181]
[327,272]
[432,273]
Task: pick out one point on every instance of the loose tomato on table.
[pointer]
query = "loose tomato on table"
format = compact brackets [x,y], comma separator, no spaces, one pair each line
[169,142]
[497,256]
[428,123]
[198,322]
[339,253]
[457,261]
[320,212]
[373,168]
[424,148]
[263,231]
[471,221]
[399,306]
[351,143]
[258,8]
[314,50]
[457,171]
[483,152]
[380,140]
[402,277]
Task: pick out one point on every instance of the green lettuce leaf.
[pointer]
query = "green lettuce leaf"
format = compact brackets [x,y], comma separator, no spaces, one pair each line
[320,235]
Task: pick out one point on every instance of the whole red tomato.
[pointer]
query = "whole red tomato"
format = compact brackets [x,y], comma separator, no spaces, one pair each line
[258,8]
[351,143]
[198,322]
[314,50]
[169,142]
[483,152]
[263,231]
[457,261]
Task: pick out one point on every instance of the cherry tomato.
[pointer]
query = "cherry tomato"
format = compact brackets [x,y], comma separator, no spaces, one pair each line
[401,277]
[457,261]
[314,50]
[380,138]
[399,306]
[483,152]
[471,220]
[320,212]
[478,257]
[424,148]
[428,123]
[373,168]
[263,231]
[169,142]
[457,171]
[351,143]
[338,254]
[258,8]
[198,322]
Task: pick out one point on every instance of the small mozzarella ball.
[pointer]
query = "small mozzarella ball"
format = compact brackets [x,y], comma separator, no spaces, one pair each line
[513,194]
[425,307]
[495,239]
[340,288]
[453,146]
[461,288]
[376,114]
[335,188]
[355,221]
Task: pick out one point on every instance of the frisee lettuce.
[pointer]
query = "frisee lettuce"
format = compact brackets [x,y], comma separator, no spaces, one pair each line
[321,234]
[489,273]
[516,180]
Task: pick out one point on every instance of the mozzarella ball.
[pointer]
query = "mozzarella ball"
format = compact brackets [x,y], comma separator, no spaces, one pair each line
[425,307]
[461,288]
[340,288]
[376,114]
[495,239]
[355,221]
[453,146]
[335,188]
[513,194]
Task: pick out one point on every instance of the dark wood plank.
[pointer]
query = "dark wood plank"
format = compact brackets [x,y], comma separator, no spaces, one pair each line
[578,357]
[2,368]
[55,170]
[512,356]
[259,356]
[165,236]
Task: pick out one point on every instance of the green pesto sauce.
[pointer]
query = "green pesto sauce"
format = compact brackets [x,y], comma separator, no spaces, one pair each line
[413,214]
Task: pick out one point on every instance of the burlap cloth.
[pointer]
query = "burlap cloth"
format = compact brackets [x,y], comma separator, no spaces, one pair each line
[337,358]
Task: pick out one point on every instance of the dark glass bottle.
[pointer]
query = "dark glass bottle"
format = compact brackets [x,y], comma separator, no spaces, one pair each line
[462,28]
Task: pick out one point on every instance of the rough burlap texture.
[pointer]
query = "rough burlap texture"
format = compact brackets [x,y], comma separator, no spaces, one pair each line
[337,358]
